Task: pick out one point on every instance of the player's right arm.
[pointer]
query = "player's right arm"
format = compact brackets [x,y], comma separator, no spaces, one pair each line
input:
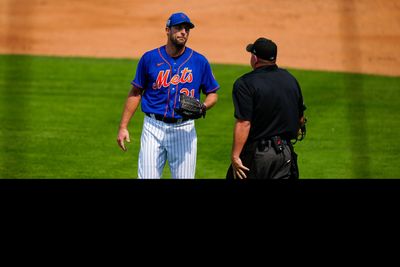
[131,104]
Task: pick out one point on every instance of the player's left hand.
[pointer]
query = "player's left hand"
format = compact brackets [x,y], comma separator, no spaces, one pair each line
[239,169]
[190,107]
[123,135]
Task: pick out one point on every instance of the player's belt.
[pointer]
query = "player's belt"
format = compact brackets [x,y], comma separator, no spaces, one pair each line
[165,119]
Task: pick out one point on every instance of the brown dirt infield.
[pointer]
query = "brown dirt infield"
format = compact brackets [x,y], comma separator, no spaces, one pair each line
[340,35]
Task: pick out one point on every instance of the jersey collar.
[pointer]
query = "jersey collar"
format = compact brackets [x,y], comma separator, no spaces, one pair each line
[182,58]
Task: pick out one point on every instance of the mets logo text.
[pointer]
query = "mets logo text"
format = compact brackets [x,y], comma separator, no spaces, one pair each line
[162,78]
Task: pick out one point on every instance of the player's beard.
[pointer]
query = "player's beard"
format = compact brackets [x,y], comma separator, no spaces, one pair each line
[178,44]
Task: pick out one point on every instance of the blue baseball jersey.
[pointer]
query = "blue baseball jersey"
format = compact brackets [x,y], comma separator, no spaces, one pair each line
[162,78]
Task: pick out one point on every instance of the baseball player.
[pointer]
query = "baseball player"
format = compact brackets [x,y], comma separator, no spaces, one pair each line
[162,75]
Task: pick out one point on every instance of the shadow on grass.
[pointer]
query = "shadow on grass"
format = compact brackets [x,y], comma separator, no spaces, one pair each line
[354,84]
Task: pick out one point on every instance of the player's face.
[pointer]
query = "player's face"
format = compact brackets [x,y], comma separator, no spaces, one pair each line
[178,34]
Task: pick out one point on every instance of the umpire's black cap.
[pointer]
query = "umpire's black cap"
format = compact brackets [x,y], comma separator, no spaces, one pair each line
[263,48]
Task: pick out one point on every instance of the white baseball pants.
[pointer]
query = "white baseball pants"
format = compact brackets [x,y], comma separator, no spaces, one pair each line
[175,142]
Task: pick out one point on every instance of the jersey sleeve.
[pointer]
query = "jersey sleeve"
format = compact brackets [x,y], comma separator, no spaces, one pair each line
[140,77]
[242,101]
[208,84]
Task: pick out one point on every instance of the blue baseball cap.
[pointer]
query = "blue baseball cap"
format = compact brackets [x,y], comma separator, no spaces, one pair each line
[179,18]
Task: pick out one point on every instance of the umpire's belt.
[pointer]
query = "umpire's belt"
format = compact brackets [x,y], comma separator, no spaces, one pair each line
[269,141]
[165,119]
[275,142]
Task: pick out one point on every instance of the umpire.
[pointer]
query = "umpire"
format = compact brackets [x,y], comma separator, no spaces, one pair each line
[269,112]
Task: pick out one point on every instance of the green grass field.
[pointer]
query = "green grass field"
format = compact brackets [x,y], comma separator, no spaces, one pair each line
[59,119]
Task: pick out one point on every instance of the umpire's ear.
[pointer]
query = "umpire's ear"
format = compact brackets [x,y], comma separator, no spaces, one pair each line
[256,60]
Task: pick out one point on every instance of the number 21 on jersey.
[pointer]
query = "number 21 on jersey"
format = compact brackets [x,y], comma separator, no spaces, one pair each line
[187,92]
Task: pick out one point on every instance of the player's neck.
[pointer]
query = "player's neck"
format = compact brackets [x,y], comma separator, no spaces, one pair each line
[174,51]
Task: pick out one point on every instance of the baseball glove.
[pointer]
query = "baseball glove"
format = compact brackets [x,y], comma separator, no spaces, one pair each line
[190,107]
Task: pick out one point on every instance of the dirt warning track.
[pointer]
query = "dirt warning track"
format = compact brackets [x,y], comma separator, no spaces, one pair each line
[339,35]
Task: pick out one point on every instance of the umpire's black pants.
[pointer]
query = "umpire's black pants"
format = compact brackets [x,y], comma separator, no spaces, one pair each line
[265,163]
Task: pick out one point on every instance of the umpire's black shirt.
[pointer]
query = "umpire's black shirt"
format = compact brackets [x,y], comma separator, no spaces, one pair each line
[271,98]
